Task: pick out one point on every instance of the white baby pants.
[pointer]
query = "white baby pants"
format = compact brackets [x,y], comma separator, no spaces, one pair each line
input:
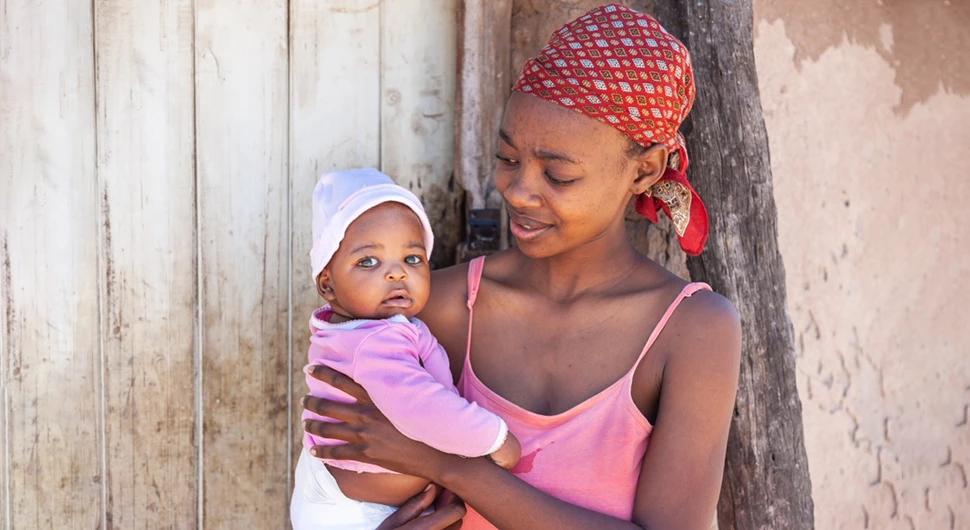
[318,504]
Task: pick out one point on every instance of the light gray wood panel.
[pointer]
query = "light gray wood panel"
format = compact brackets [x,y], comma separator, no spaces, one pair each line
[49,213]
[146,175]
[241,120]
[418,72]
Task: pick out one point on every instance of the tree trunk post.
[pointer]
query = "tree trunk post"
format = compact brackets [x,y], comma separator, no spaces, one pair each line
[766,482]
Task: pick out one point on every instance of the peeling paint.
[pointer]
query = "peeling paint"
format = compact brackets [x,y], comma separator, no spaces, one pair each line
[926,42]
[882,361]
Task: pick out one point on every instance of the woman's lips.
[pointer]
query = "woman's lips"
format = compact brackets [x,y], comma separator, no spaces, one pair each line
[526,229]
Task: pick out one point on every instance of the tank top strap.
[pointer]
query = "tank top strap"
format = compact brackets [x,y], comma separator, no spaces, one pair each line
[475,268]
[686,292]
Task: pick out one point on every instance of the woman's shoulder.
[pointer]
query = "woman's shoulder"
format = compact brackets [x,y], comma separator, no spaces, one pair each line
[704,330]
[699,300]
[448,285]
[702,321]
[445,312]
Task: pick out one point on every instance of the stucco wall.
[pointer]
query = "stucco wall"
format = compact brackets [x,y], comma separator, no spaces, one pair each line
[868,116]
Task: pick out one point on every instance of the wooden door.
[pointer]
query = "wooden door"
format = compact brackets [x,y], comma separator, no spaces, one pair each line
[156,161]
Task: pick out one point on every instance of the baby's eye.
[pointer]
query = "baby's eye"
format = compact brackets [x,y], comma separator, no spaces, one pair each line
[367,263]
[413,259]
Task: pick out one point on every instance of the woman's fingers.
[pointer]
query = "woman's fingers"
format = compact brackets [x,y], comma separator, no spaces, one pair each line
[332,409]
[411,509]
[334,431]
[452,508]
[445,518]
[339,381]
[336,452]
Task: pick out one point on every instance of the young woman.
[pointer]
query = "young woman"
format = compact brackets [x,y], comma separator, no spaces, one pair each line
[617,377]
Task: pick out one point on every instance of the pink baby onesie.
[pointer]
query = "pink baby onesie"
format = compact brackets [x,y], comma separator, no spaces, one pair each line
[405,371]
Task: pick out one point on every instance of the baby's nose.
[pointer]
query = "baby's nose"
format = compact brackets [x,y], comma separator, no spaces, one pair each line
[396,274]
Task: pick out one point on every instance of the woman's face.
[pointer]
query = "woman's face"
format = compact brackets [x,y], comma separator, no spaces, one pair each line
[566,178]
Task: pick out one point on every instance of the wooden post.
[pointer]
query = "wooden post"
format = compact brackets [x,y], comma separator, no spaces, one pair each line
[483,88]
[766,482]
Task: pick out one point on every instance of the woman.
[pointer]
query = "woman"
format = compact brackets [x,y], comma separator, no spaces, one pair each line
[618,377]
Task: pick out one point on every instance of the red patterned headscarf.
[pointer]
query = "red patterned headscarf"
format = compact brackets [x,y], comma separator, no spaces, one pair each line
[621,67]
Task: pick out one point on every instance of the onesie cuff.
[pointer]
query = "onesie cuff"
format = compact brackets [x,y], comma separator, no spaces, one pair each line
[503,434]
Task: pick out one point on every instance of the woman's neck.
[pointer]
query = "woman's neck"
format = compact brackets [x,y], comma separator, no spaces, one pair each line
[592,268]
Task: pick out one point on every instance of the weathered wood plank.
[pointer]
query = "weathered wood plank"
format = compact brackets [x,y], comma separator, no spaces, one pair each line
[49,223]
[334,124]
[146,175]
[241,124]
[484,34]
[418,73]
[766,482]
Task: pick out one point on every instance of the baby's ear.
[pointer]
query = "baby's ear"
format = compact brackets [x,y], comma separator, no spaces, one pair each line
[323,286]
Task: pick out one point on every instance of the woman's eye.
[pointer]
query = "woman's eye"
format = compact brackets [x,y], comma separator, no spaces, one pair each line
[413,259]
[367,263]
[558,181]
[510,162]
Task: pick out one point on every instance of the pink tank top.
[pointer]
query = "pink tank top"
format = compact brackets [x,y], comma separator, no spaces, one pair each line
[589,455]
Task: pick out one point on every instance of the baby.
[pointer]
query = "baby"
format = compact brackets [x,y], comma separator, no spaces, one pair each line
[371,241]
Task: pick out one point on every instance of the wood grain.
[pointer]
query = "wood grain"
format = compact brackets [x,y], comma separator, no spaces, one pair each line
[334,125]
[146,176]
[241,122]
[418,70]
[484,81]
[49,223]
[766,482]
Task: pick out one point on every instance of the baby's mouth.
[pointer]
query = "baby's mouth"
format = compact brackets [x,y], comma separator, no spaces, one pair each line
[398,298]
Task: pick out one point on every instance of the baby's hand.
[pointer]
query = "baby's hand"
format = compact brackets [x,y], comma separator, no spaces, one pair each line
[508,455]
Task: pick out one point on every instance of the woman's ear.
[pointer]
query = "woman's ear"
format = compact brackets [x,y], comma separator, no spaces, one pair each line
[324,286]
[650,164]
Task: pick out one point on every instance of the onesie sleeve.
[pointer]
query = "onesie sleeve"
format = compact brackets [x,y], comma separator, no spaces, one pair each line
[387,365]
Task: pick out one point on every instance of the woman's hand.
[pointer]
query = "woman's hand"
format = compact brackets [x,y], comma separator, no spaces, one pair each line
[449,510]
[370,436]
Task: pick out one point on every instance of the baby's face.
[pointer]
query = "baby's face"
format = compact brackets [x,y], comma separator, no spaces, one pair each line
[381,267]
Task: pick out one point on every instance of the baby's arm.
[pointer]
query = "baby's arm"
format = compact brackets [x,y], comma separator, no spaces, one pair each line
[508,455]
[387,365]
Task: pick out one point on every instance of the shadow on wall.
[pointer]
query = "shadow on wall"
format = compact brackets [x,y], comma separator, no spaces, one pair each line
[919,38]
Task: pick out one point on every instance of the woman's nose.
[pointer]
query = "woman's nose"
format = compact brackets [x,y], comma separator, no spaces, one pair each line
[521,192]
[395,273]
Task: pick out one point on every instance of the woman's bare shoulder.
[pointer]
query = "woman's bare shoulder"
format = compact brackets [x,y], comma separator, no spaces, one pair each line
[704,323]
[446,303]
[706,330]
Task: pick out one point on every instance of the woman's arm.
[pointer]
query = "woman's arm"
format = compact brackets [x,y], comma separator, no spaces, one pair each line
[501,497]
[680,480]
[681,472]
